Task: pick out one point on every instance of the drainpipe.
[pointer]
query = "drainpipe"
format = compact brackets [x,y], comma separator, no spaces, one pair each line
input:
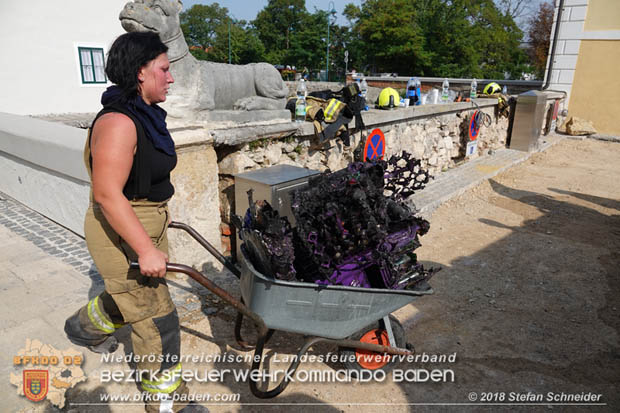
[553,47]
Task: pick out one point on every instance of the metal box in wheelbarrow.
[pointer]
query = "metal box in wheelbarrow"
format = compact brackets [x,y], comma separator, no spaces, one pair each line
[332,311]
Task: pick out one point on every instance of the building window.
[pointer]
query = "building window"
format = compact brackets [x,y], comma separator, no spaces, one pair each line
[92,65]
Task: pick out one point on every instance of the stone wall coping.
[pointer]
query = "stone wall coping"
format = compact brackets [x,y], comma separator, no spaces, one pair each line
[59,147]
[50,145]
[372,117]
[242,135]
[535,84]
[190,136]
[554,94]
[378,117]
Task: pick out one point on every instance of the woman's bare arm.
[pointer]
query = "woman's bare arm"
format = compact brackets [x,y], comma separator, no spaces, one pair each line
[113,144]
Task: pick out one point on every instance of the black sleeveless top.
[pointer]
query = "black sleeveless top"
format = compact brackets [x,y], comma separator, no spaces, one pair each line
[150,172]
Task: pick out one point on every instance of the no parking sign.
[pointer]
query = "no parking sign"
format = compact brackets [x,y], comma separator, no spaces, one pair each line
[474,126]
[472,132]
[375,146]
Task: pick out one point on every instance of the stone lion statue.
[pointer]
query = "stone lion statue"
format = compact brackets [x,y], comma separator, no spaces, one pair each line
[201,85]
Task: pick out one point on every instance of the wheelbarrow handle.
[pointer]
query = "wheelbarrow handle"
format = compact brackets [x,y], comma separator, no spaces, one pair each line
[207,245]
[215,289]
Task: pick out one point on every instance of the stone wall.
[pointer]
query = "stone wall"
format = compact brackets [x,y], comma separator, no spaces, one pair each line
[438,141]
[42,166]
[435,134]
[196,200]
[40,157]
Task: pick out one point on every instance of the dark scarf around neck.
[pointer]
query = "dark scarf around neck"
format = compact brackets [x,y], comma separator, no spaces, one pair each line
[152,117]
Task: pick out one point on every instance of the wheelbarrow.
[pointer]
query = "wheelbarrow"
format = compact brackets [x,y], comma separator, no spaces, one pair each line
[357,320]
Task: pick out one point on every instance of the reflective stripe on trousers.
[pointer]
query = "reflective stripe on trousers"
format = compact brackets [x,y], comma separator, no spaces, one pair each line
[98,319]
[170,381]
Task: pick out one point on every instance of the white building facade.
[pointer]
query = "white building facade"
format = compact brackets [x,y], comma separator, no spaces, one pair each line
[53,53]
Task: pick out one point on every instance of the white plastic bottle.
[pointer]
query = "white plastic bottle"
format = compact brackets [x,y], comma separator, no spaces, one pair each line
[504,90]
[364,90]
[410,85]
[411,93]
[364,87]
[473,91]
[418,90]
[300,105]
[445,91]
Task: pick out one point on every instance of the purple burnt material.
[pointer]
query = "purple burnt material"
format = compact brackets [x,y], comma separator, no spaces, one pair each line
[353,228]
[350,233]
[268,238]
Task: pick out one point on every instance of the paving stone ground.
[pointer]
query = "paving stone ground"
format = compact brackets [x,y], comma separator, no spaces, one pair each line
[46,272]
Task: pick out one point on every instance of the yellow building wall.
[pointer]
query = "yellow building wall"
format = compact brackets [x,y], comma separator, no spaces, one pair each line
[603,15]
[595,95]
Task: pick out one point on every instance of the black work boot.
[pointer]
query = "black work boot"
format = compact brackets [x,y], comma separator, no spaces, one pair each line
[98,343]
[109,345]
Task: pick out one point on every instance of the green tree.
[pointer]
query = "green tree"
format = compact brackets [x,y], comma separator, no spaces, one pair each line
[245,46]
[453,38]
[201,22]
[351,39]
[539,34]
[252,49]
[448,42]
[207,27]
[308,41]
[392,36]
[497,39]
[277,24]
[339,40]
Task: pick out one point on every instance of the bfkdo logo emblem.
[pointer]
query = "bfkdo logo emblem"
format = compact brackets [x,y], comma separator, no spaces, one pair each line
[36,384]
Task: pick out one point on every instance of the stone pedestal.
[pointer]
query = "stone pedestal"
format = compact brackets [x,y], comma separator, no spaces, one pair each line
[196,199]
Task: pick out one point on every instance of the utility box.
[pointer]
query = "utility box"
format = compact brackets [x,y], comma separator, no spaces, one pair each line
[273,184]
[528,120]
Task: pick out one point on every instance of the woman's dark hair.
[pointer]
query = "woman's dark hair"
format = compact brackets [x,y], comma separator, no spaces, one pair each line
[129,52]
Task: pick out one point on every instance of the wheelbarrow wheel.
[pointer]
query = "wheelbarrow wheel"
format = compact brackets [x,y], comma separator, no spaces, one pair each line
[359,360]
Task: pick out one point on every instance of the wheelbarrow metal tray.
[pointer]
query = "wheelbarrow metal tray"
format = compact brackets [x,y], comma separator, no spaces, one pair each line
[332,311]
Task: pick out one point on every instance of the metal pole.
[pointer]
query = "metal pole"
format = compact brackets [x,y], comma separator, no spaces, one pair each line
[346,66]
[331,12]
[229,54]
[327,65]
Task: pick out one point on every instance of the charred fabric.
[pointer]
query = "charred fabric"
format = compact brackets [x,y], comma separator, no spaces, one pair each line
[353,229]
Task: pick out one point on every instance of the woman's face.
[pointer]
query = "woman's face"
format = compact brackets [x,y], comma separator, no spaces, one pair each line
[155,79]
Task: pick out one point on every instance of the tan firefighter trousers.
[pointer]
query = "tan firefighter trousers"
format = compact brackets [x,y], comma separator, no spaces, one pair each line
[131,298]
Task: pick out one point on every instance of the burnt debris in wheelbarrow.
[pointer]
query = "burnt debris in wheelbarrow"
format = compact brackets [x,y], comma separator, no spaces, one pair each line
[346,225]
[264,296]
[353,228]
[347,265]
